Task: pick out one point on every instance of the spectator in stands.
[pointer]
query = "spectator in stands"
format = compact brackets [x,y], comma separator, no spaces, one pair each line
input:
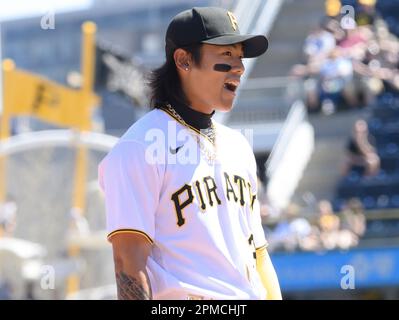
[280,238]
[329,224]
[331,236]
[353,218]
[365,13]
[355,42]
[329,82]
[311,242]
[309,73]
[361,154]
[285,234]
[318,44]
[381,59]
[388,43]
[378,69]
[393,81]
[334,27]
[348,67]
[329,69]
[336,82]
[368,80]
[294,232]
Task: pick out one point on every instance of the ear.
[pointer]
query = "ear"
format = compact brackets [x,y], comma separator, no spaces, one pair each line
[182,59]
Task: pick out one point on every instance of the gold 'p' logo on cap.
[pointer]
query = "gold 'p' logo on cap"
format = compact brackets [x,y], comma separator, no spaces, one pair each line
[233,20]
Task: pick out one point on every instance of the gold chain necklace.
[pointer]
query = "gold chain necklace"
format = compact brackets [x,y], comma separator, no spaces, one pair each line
[209,151]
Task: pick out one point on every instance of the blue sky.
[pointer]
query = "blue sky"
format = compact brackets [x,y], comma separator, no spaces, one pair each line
[13,9]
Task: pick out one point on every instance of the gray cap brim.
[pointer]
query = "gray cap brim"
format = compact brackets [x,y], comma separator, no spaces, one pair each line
[254,46]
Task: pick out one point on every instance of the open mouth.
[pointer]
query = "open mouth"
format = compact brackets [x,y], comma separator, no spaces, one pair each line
[231,86]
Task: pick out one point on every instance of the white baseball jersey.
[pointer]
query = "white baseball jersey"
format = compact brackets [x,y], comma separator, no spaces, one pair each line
[203,219]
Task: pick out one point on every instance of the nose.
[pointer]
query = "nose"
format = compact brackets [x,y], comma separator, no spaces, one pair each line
[238,67]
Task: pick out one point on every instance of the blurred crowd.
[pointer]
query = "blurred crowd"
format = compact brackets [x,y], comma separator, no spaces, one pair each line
[347,61]
[320,228]
[324,230]
[348,64]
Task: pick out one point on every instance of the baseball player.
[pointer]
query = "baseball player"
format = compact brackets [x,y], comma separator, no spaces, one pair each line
[180,189]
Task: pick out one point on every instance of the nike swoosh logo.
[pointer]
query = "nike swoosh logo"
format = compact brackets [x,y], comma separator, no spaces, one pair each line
[174,151]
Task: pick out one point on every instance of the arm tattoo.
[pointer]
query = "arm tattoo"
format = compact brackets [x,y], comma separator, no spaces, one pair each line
[130,289]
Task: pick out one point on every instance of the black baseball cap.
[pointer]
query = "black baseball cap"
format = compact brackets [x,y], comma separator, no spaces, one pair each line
[211,25]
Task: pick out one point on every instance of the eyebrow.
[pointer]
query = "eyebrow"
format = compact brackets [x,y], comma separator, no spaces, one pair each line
[236,46]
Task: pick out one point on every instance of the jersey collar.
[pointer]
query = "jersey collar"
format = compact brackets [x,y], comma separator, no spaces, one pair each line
[194,118]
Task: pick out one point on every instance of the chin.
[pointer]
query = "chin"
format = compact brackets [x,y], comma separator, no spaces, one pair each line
[224,107]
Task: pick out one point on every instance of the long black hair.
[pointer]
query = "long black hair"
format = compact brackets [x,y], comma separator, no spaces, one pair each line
[164,82]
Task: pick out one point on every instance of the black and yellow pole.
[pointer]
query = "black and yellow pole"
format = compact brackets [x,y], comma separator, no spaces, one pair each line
[80,175]
[7,68]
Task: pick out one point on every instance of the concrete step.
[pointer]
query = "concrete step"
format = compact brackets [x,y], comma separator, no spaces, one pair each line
[323,170]
[336,125]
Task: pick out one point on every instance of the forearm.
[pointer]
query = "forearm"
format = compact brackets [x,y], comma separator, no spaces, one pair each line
[133,285]
[130,258]
[268,275]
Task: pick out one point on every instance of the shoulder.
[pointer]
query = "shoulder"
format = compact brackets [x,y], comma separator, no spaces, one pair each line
[124,155]
[131,149]
[153,121]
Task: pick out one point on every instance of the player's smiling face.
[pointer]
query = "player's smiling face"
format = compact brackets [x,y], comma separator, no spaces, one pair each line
[206,85]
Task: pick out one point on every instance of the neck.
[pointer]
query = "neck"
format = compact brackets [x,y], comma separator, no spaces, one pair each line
[208,110]
[194,118]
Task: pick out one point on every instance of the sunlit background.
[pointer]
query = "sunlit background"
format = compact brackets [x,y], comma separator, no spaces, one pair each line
[321,106]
